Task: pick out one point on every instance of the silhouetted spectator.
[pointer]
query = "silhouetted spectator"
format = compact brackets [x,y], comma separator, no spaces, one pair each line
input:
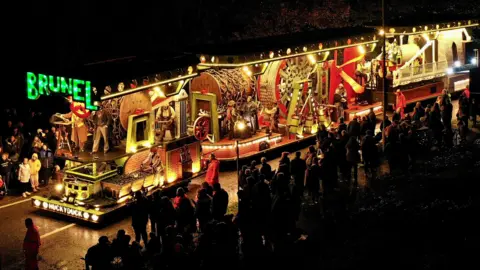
[219,202]
[139,210]
[100,255]
[298,166]
[266,169]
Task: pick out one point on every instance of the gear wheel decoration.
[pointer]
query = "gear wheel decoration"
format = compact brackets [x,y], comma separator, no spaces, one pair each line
[289,71]
[201,128]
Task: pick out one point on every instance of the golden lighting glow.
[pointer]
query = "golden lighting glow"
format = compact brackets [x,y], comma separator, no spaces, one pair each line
[312,59]
[94,217]
[59,187]
[133,149]
[425,36]
[289,51]
[213,59]
[381,32]
[426,28]
[391,30]
[361,49]
[45,205]
[305,49]
[162,180]
[195,167]
[271,54]
[190,70]
[172,178]
[124,199]
[147,144]
[86,215]
[414,29]
[241,126]
[203,59]
[36,203]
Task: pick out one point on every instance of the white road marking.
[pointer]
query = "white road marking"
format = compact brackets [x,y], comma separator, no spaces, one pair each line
[14,203]
[58,230]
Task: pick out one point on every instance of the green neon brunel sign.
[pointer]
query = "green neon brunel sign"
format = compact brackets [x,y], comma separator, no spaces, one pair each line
[43,85]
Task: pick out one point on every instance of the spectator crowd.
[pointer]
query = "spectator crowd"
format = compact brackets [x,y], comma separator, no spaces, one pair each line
[200,233]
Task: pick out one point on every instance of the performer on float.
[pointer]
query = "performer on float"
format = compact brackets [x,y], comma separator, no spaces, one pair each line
[166,120]
[231,118]
[273,117]
[101,121]
[400,103]
[250,113]
[340,100]
[79,129]
[361,72]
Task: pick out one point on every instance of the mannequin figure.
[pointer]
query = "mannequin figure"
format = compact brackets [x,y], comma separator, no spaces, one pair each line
[340,100]
[251,109]
[79,129]
[166,121]
[101,122]
[231,118]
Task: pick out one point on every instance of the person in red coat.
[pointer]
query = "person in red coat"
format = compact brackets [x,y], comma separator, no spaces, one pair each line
[212,170]
[31,245]
[401,102]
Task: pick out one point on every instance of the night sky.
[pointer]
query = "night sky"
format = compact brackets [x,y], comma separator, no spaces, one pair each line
[46,37]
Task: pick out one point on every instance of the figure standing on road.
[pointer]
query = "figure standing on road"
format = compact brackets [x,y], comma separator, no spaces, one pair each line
[213,170]
[31,245]
[35,167]
[140,217]
[24,177]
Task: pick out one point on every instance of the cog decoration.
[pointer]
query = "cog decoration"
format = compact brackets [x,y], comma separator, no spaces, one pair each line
[234,85]
[201,127]
[289,71]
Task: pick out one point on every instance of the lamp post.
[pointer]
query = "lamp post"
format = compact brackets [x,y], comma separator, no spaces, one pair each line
[384,71]
[238,164]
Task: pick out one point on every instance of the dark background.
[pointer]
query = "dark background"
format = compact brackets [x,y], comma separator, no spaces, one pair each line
[43,36]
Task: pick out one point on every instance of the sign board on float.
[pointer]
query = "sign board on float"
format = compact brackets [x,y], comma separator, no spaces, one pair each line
[45,85]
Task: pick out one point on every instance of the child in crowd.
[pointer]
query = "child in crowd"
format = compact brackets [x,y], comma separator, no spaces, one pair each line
[24,177]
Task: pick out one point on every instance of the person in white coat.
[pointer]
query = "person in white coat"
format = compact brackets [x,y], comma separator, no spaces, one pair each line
[24,177]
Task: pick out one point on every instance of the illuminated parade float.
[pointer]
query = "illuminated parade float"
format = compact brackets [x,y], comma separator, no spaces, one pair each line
[235,100]
[132,140]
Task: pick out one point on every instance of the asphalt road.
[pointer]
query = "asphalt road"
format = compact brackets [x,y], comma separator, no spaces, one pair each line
[65,241]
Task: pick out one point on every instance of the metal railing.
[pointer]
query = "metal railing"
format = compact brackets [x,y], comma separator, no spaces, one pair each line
[413,73]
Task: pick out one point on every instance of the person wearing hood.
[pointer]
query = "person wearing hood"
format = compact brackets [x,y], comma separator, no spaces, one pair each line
[213,170]
[35,167]
[100,255]
[31,245]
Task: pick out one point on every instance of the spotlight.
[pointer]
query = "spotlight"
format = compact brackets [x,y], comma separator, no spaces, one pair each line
[449,71]
[59,187]
[457,64]
[473,61]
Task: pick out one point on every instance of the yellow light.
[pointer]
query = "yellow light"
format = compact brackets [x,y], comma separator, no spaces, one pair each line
[190,70]
[147,144]
[305,49]
[162,180]
[289,51]
[45,205]
[361,49]
[312,59]
[245,69]
[133,149]
[124,198]
[213,59]
[94,217]
[195,167]
[249,73]
[97,209]
[36,203]
[426,28]
[86,215]
[392,30]
[271,54]
[241,126]
[59,187]
[171,178]
[203,59]
[437,26]
[381,32]
[414,29]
